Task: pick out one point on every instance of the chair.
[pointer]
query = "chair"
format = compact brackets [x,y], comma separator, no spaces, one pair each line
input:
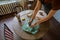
[30,4]
[18,8]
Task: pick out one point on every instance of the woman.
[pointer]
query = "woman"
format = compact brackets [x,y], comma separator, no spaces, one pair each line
[55,6]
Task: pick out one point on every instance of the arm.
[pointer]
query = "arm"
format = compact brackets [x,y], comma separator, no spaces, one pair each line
[38,6]
[51,13]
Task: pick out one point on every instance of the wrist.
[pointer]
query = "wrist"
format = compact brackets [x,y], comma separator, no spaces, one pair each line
[36,23]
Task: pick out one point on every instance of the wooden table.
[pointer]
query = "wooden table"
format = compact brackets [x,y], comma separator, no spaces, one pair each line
[18,30]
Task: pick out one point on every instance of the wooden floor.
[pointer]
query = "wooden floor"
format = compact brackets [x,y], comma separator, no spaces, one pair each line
[53,33]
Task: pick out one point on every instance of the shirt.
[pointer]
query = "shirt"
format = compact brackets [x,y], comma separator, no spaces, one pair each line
[47,7]
[50,4]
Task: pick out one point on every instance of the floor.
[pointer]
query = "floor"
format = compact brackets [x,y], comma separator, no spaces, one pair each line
[53,33]
[7,19]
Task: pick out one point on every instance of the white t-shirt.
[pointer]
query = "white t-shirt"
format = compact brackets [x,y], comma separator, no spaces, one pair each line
[57,16]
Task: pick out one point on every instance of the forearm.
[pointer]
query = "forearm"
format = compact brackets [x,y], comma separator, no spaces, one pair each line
[51,13]
[38,6]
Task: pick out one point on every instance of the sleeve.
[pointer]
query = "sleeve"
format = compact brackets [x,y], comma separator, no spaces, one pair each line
[56,8]
[42,1]
[56,4]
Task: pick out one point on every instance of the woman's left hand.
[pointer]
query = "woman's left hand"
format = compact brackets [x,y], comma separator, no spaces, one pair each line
[33,25]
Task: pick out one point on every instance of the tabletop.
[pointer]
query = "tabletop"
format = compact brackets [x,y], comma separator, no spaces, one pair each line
[42,30]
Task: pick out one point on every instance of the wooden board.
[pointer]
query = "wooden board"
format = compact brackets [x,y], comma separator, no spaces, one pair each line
[42,30]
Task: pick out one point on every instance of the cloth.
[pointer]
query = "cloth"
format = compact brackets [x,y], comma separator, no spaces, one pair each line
[28,29]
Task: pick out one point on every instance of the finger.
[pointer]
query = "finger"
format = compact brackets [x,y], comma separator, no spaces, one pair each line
[32,26]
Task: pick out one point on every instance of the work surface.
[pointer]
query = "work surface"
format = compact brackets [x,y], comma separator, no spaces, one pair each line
[18,29]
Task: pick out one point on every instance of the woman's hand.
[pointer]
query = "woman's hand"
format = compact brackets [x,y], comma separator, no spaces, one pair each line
[51,13]
[33,25]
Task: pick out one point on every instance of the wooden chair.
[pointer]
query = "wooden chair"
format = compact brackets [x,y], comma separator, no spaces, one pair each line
[30,4]
[18,8]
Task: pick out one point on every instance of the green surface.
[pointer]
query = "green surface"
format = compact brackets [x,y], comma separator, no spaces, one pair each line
[28,29]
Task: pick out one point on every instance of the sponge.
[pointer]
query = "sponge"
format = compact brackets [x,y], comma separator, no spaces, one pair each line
[23,19]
